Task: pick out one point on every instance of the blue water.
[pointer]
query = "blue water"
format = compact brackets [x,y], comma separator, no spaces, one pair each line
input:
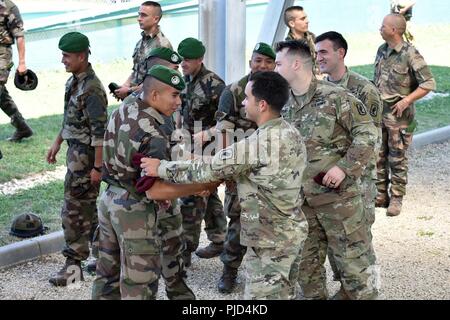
[43,14]
[116,39]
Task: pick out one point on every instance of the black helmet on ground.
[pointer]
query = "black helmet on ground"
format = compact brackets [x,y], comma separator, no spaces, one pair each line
[27,225]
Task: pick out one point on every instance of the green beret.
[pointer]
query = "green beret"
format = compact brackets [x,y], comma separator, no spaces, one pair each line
[166,54]
[265,49]
[73,42]
[168,76]
[191,48]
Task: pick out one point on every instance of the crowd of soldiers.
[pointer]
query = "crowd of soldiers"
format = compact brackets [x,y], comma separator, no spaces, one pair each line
[306,149]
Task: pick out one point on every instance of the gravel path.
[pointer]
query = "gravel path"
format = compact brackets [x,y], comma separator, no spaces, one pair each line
[15,185]
[413,248]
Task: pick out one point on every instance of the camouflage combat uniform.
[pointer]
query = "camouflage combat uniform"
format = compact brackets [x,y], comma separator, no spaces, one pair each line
[200,99]
[83,128]
[337,131]
[310,39]
[398,72]
[231,117]
[11,27]
[267,167]
[368,94]
[141,51]
[138,237]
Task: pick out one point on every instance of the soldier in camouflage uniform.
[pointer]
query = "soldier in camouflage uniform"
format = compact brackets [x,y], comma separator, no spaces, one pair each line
[267,167]
[231,119]
[150,14]
[402,77]
[169,223]
[83,128]
[297,23]
[132,234]
[199,105]
[11,30]
[331,50]
[340,138]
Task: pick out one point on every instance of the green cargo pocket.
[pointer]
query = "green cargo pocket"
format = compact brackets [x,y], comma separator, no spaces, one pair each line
[140,247]
[356,235]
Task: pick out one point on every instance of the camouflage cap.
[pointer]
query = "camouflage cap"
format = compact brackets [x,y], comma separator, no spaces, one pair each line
[265,49]
[168,76]
[73,42]
[191,48]
[166,54]
[27,225]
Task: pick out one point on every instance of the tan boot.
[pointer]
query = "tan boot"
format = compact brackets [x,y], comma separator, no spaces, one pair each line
[70,273]
[382,200]
[395,206]
[22,129]
[210,251]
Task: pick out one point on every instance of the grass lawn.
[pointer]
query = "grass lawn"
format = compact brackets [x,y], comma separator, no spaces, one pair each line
[27,157]
[430,114]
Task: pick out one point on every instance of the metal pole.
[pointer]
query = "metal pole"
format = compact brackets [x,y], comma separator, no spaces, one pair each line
[211,32]
[273,28]
[235,40]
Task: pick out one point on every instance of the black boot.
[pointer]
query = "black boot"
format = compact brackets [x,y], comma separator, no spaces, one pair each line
[22,129]
[69,273]
[228,280]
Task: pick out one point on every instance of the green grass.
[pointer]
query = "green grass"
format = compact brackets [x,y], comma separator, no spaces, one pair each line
[430,114]
[27,157]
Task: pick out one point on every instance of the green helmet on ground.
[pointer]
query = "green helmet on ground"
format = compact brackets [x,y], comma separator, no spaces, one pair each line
[27,225]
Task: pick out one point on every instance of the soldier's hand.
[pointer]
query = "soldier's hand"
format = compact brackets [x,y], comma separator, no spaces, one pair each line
[96,177]
[52,152]
[150,166]
[122,92]
[399,107]
[334,177]
[22,69]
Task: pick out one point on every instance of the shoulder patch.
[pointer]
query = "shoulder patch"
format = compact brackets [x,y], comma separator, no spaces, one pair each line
[226,154]
[361,109]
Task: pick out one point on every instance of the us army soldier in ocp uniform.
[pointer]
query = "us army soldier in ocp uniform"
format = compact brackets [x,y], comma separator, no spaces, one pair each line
[331,50]
[402,76]
[267,167]
[231,120]
[340,138]
[129,262]
[200,101]
[83,128]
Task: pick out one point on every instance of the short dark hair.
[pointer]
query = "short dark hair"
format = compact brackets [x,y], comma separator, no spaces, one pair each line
[336,38]
[298,47]
[287,14]
[153,4]
[271,87]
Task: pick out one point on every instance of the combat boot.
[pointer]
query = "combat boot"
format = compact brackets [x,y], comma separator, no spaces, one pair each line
[395,206]
[187,258]
[210,251]
[91,267]
[382,200]
[69,273]
[22,129]
[227,281]
[340,295]
[179,290]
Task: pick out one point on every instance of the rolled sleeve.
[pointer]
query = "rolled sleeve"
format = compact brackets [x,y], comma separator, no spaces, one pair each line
[96,110]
